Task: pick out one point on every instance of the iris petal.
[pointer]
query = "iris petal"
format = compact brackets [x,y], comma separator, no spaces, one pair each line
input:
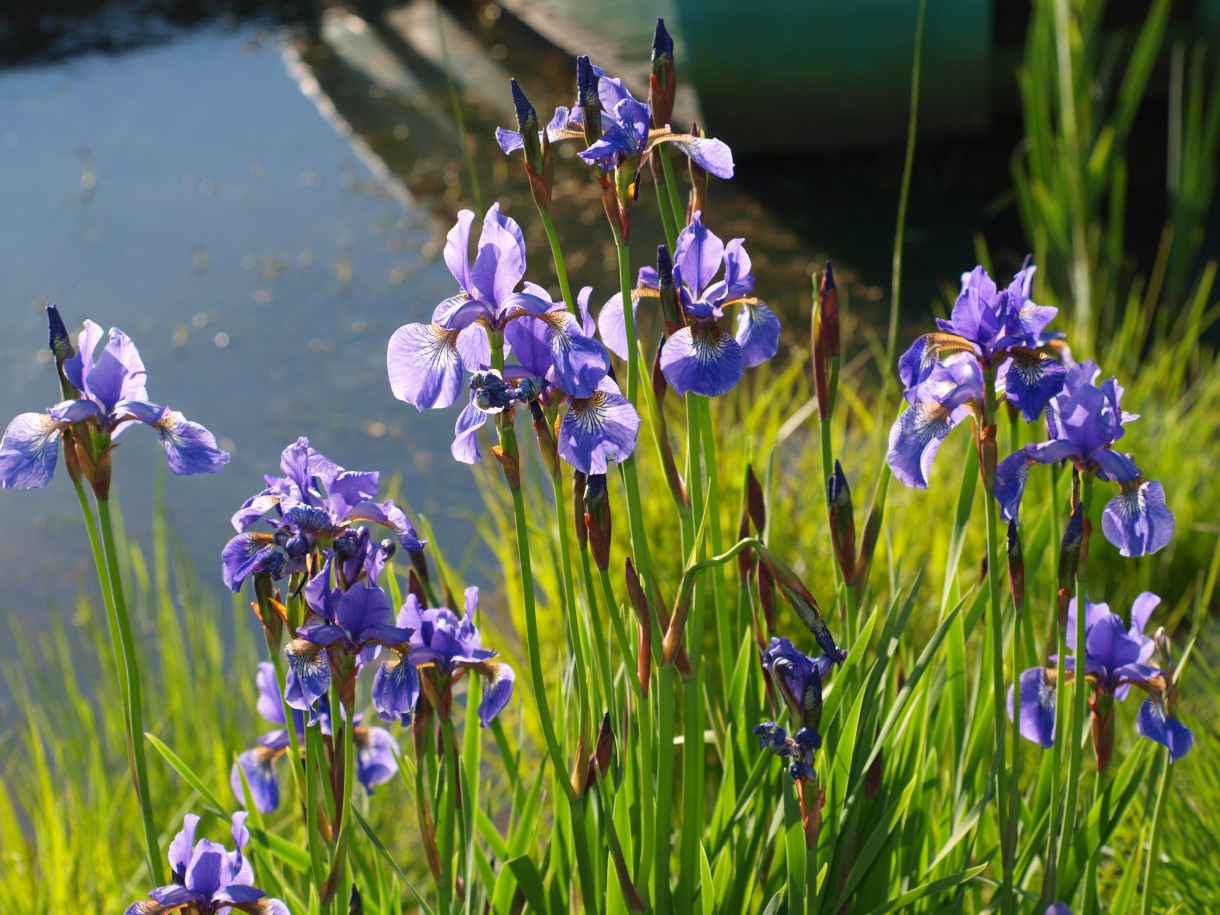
[701,358]
[258,764]
[1154,723]
[1037,706]
[308,676]
[1137,520]
[425,366]
[757,332]
[396,690]
[29,451]
[189,447]
[1032,379]
[496,692]
[599,429]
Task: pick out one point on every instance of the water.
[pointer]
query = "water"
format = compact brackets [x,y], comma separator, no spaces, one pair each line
[191,195]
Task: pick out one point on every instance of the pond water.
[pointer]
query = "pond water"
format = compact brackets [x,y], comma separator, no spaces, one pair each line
[192,195]
[260,208]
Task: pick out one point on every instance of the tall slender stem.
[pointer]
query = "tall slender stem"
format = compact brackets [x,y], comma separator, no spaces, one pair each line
[131,668]
[995,613]
[561,270]
[575,630]
[1080,686]
[1154,836]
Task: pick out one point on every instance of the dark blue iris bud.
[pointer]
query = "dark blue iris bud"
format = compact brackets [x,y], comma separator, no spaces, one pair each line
[662,43]
[298,545]
[281,536]
[808,740]
[270,562]
[588,99]
[530,389]
[772,737]
[346,544]
[801,769]
[491,392]
[60,342]
[527,123]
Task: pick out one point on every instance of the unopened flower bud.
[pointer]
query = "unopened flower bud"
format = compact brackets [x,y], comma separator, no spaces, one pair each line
[578,508]
[597,520]
[1101,704]
[663,78]
[756,503]
[828,296]
[527,123]
[986,443]
[355,905]
[1069,551]
[590,102]
[842,523]
[671,308]
[1016,566]
[639,603]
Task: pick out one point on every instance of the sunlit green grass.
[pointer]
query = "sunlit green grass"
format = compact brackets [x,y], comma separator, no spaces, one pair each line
[68,817]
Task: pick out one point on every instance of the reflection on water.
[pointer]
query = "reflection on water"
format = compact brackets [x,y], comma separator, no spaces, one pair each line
[191,195]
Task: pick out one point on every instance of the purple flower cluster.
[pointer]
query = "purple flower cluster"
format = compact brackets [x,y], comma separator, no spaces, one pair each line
[624,135]
[798,677]
[554,349]
[376,749]
[991,329]
[208,878]
[1084,421]
[1116,658]
[109,394]
[316,505]
[444,644]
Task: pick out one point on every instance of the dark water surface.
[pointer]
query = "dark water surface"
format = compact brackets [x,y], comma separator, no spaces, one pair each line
[191,195]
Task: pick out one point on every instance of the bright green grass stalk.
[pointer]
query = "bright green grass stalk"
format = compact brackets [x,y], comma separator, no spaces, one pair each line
[131,669]
[561,270]
[995,614]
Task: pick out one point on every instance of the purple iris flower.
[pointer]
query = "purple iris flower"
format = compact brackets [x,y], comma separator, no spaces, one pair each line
[111,394]
[625,131]
[702,357]
[1116,658]
[316,503]
[1084,422]
[450,645]
[990,329]
[208,878]
[427,363]
[376,749]
[599,429]
[345,626]
[799,748]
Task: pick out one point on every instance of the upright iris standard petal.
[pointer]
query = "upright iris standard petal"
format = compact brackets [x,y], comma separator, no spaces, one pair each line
[29,451]
[1137,520]
[1037,706]
[698,256]
[500,263]
[612,326]
[702,358]
[424,366]
[1154,722]
[599,429]
[189,447]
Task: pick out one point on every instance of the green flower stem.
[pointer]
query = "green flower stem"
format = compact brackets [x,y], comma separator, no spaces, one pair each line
[575,630]
[561,271]
[629,651]
[667,215]
[671,185]
[665,767]
[346,766]
[725,637]
[131,669]
[313,770]
[1154,837]
[449,816]
[277,661]
[995,615]
[605,667]
[1080,686]
[1054,833]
